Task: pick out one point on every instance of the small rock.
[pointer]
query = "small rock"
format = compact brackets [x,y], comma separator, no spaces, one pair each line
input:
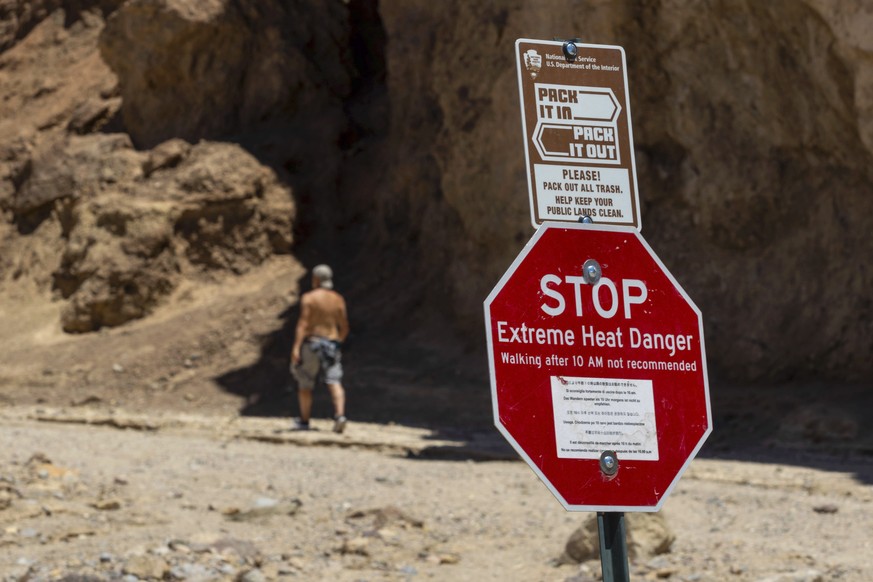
[382,516]
[166,155]
[233,550]
[18,572]
[90,115]
[226,569]
[145,566]
[662,573]
[87,400]
[252,576]
[588,572]
[179,546]
[356,546]
[117,368]
[390,536]
[5,498]
[191,572]
[826,508]
[76,534]
[798,576]
[658,563]
[107,505]
[273,570]
[263,508]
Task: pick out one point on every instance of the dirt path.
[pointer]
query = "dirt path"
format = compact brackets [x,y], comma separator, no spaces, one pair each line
[184,497]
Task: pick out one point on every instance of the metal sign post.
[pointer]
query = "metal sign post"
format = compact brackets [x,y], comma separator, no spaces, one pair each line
[613,546]
[610,524]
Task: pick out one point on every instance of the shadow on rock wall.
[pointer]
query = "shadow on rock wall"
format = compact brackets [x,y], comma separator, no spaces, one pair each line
[266,387]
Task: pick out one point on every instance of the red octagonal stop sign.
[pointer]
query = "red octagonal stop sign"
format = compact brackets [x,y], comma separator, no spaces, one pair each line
[598,368]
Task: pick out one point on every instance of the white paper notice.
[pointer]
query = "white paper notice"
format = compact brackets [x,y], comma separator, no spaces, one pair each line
[593,415]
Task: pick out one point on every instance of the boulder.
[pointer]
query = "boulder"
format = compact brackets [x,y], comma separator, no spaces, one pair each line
[128,247]
[647,535]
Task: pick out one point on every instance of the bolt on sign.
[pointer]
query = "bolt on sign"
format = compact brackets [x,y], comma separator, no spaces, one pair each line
[598,367]
[578,140]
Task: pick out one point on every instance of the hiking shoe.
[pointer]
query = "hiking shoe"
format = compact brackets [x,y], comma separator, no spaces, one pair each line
[299,424]
[339,424]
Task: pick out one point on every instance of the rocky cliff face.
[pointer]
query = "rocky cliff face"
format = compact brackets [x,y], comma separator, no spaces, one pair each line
[147,142]
[105,204]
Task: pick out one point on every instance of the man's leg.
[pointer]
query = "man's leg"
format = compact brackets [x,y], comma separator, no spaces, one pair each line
[338,395]
[306,374]
[304,397]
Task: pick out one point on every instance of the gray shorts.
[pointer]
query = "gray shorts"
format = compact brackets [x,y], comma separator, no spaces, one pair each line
[320,359]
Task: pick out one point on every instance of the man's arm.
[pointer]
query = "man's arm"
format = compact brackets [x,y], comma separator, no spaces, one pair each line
[302,327]
[343,324]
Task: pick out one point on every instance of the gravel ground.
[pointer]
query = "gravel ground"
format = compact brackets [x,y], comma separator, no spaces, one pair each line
[209,498]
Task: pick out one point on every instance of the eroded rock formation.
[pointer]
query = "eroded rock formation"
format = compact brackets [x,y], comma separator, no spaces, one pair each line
[753,125]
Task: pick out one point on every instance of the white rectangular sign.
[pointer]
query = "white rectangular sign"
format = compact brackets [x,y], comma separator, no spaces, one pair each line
[593,415]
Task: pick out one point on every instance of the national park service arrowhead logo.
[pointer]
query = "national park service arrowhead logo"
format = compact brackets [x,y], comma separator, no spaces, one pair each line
[533,62]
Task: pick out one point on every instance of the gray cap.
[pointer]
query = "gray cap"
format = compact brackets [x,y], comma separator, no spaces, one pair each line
[324,275]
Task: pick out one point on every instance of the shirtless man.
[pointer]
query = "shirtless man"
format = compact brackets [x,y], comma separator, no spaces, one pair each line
[322,327]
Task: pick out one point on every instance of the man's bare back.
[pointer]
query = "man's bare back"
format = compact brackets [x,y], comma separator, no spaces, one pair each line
[323,313]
